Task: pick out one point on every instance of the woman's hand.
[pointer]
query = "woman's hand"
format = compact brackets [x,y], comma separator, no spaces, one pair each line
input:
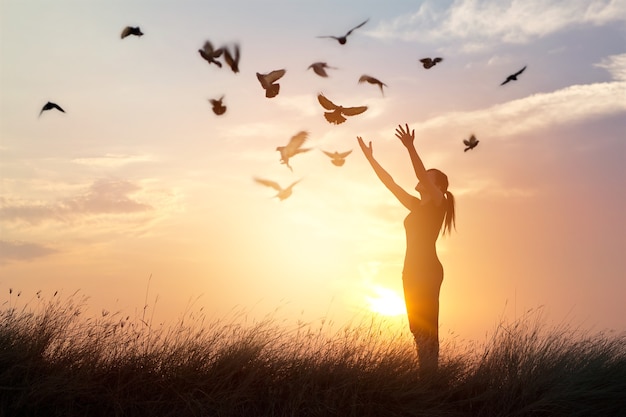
[405,137]
[368,150]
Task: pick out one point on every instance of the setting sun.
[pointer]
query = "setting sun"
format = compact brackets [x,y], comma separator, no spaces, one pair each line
[386,302]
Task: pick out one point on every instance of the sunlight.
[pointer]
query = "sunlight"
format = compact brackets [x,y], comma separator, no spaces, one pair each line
[386,302]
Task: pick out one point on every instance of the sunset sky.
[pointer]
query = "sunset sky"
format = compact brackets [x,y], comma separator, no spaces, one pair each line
[139,178]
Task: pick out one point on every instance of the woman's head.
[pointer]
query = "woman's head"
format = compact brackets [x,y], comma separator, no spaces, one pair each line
[437,177]
[441,181]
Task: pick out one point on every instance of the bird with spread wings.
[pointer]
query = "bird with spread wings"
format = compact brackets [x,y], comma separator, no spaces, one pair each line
[336,113]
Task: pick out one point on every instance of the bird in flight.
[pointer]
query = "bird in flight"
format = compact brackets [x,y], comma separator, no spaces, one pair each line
[320,68]
[232,60]
[130,30]
[49,106]
[471,143]
[338,158]
[293,148]
[343,39]
[210,54]
[372,80]
[430,62]
[283,193]
[336,113]
[218,106]
[268,82]
[513,77]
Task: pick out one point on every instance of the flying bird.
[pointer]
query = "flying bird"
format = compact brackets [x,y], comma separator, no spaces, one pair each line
[210,54]
[293,148]
[430,62]
[232,60]
[49,106]
[218,106]
[268,82]
[343,39]
[471,143]
[283,193]
[336,113]
[320,68]
[513,77]
[338,158]
[130,30]
[372,80]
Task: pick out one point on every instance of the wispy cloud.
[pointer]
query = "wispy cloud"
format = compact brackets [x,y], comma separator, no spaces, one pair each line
[104,196]
[113,160]
[574,103]
[22,251]
[478,24]
[615,65]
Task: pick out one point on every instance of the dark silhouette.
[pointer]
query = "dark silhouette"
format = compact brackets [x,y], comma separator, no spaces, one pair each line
[429,215]
[283,193]
[513,77]
[336,113]
[130,30]
[430,62]
[49,106]
[343,39]
[218,106]
[368,79]
[293,148]
[232,59]
[338,158]
[320,68]
[471,143]
[268,82]
[210,54]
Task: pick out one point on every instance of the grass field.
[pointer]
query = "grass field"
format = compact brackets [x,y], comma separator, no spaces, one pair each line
[55,362]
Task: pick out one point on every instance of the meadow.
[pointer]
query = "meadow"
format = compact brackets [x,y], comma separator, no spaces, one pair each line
[54,361]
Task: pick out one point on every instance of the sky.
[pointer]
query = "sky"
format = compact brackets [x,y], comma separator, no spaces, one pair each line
[139,195]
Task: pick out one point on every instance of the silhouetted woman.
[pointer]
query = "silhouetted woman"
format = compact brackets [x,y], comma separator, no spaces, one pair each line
[422,275]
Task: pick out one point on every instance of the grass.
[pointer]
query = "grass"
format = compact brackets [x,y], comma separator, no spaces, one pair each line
[55,362]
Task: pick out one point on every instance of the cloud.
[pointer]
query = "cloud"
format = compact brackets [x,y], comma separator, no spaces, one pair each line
[22,251]
[479,24]
[104,196]
[615,65]
[571,104]
[113,160]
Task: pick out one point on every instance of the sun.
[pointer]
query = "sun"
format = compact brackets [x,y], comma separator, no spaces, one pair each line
[386,302]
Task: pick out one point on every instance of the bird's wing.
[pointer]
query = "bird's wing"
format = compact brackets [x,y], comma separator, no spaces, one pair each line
[352,111]
[329,36]
[127,30]
[230,60]
[274,75]
[365,78]
[296,142]
[344,154]
[472,139]
[56,106]
[330,154]
[466,142]
[506,81]
[356,27]
[292,184]
[438,59]
[326,103]
[268,183]
[520,71]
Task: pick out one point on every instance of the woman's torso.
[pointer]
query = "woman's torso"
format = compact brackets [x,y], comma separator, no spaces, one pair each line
[422,226]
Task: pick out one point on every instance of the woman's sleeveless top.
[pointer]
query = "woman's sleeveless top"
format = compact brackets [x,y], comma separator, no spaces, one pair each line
[422,227]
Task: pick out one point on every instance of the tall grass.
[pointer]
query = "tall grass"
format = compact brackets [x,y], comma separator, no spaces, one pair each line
[55,362]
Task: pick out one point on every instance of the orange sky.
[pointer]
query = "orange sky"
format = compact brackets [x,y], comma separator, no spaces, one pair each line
[140,179]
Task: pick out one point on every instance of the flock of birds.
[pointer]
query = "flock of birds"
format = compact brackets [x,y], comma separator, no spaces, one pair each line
[334,113]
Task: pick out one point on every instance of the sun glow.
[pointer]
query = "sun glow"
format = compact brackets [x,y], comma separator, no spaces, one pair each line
[386,302]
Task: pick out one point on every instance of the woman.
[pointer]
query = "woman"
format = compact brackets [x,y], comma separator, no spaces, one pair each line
[422,275]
